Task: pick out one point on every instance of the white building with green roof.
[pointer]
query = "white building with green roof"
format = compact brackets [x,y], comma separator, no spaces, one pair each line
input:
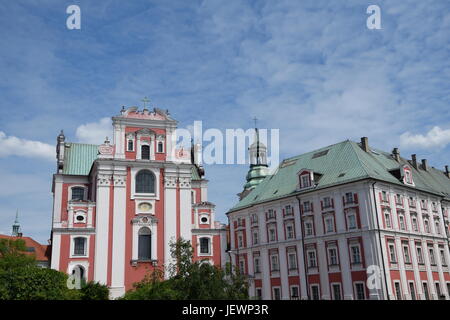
[345,222]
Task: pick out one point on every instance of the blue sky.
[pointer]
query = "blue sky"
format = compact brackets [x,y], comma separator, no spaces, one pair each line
[310,68]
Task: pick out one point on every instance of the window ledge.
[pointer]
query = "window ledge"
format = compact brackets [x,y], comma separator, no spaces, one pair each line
[154,262]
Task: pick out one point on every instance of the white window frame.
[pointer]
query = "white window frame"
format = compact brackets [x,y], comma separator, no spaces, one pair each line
[85,194]
[134,195]
[356,290]
[72,246]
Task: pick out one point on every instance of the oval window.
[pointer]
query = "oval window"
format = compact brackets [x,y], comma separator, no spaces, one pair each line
[145,206]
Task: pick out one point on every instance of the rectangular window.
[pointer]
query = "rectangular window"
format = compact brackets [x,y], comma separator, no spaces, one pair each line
[360,292]
[384,196]
[406,254]
[432,257]
[336,291]
[327,202]
[242,266]
[443,260]
[272,234]
[398,291]
[425,291]
[356,254]
[387,219]
[401,220]
[259,293]
[438,290]
[292,260]
[312,263]
[240,241]
[438,229]
[305,181]
[412,291]
[351,221]
[276,294]
[257,265]
[255,237]
[349,197]
[274,263]
[419,255]
[427,225]
[306,206]
[271,213]
[288,210]
[332,256]
[160,147]
[289,231]
[315,293]
[414,224]
[308,228]
[329,224]
[80,246]
[130,145]
[294,293]
[392,255]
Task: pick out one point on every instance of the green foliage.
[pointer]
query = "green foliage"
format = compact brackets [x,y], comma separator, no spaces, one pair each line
[12,254]
[22,279]
[189,280]
[94,291]
[34,283]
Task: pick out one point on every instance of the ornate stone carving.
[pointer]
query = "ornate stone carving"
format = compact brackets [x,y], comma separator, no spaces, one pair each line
[170,181]
[103,180]
[120,180]
[185,182]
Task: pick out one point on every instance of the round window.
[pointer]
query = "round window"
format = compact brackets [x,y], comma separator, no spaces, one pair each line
[204,219]
[80,218]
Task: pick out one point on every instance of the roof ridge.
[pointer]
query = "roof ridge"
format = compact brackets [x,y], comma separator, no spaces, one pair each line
[85,144]
[315,150]
[363,166]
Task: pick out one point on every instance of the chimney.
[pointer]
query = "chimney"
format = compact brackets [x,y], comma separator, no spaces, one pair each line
[414,161]
[424,164]
[396,154]
[365,144]
[447,173]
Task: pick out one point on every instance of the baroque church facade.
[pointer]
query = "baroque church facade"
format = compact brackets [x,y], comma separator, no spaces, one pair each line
[117,206]
[345,221]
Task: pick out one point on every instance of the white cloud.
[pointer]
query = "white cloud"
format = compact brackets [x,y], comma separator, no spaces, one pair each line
[435,138]
[13,146]
[95,132]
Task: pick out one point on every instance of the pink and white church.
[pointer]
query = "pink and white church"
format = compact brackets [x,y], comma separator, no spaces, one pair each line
[117,206]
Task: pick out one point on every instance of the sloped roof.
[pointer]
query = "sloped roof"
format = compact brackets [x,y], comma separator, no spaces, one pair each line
[41,252]
[337,164]
[78,158]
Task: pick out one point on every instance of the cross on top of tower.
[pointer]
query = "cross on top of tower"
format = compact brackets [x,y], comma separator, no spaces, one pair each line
[256,120]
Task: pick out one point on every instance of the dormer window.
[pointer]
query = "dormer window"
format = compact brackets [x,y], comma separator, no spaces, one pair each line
[305,178]
[407,175]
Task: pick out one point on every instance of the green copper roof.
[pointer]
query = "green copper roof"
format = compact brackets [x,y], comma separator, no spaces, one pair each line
[337,164]
[78,158]
[194,174]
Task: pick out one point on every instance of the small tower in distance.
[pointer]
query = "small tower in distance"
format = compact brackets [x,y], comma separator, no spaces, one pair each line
[16,226]
[258,165]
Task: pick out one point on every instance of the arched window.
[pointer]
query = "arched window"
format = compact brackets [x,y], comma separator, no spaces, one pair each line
[79,246]
[160,147]
[78,271]
[145,182]
[77,193]
[204,245]
[145,152]
[145,244]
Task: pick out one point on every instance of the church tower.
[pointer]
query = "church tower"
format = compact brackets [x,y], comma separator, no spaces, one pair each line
[16,226]
[258,165]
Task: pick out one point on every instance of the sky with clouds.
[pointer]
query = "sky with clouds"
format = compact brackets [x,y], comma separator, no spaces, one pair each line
[309,68]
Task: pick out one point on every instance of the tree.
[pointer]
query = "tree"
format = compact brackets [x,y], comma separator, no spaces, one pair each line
[12,254]
[189,280]
[22,279]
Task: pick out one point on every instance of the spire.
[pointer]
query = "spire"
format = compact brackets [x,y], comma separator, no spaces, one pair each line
[258,164]
[16,226]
